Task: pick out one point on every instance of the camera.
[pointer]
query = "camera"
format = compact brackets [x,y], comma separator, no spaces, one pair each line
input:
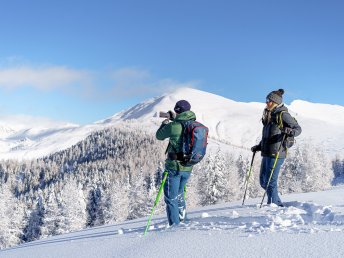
[169,115]
[164,115]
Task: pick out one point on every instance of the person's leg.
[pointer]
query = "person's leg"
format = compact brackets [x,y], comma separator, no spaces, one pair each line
[171,189]
[273,186]
[265,170]
[184,176]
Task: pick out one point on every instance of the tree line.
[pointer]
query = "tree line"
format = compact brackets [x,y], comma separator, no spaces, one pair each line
[114,175]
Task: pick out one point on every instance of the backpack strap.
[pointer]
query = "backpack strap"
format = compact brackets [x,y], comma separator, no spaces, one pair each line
[167,148]
[290,140]
[279,119]
[169,144]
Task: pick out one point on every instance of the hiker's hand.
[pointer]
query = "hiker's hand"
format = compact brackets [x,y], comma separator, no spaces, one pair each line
[166,121]
[288,131]
[255,148]
[172,115]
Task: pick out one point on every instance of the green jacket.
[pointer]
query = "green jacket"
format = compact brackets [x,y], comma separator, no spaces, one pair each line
[173,130]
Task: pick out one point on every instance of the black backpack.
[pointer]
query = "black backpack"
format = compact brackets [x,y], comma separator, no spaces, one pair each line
[290,140]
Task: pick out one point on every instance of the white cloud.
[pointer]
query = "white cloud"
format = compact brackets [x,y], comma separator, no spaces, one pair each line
[130,82]
[117,84]
[43,78]
[18,122]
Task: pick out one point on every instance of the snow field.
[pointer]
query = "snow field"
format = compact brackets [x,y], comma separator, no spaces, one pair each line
[296,217]
[313,226]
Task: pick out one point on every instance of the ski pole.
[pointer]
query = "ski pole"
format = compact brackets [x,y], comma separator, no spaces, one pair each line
[272,170]
[248,177]
[156,201]
[184,191]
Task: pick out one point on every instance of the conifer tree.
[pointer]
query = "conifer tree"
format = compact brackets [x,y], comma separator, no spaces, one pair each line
[116,203]
[94,211]
[213,185]
[52,215]
[73,205]
[138,197]
[11,218]
[33,229]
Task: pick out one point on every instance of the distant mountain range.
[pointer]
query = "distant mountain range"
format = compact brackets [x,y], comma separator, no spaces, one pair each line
[231,123]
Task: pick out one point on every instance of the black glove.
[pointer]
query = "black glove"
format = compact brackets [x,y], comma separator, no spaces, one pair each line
[172,115]
[255,148]
[288,131]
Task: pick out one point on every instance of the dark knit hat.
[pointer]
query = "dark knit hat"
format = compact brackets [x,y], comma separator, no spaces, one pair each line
[182,106]
[276,96]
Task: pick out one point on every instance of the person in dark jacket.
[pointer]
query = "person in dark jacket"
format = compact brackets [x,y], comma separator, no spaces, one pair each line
[178,174]
[278,125]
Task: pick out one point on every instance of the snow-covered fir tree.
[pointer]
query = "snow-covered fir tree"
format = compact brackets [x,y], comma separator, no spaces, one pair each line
[292,172]
[116,202]
[73,207]
[233,179]
[138,196]
[33,228]
[307,169]
[11,218]
[338,166]
[52,217]
[213,183]
[95,215]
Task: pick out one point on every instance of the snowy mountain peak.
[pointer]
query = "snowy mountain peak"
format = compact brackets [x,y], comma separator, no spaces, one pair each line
[229,122]
[225,118]
[194,95]
[204,104]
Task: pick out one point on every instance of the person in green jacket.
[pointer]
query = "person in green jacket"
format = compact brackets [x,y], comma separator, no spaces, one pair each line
[178,174]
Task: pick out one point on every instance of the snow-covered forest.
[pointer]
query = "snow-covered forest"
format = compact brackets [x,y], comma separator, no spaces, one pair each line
[113,175]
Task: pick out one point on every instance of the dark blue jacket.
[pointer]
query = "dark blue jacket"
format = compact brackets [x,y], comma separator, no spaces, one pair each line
[272,131]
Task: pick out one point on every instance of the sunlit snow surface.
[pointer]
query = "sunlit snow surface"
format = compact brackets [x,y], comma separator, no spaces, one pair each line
[311,225]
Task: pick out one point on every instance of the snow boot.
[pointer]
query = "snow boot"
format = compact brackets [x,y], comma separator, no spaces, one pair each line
[182,215]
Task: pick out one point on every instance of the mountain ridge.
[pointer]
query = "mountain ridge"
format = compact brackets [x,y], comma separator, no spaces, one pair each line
[237,123]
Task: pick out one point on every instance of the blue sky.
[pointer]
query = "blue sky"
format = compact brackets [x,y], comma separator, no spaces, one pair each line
[82,61]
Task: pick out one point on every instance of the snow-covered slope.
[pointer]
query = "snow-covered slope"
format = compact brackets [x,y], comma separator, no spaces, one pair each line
[40,141]
[322,125]
[239,123]
[231,123]
[234,122]
[311,225]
